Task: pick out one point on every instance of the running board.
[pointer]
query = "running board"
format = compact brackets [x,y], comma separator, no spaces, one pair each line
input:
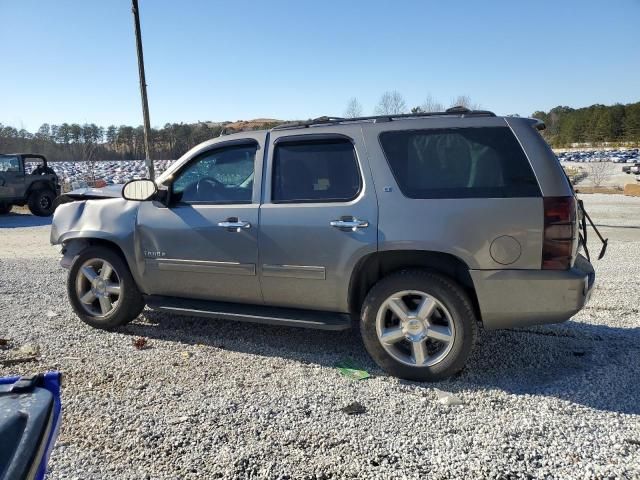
[290,317]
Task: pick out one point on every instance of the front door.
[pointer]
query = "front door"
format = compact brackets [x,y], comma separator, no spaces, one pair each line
[204,245]
[11,177]
[318,218]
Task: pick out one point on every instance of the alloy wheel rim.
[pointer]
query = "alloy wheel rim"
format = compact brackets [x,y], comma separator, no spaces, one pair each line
[98,287]
[415,328]
[45,202]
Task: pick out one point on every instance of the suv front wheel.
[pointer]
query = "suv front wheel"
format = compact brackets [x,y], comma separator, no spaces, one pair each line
[101,289]
[418,325]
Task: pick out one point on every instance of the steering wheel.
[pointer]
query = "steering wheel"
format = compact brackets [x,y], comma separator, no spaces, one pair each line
[208,188]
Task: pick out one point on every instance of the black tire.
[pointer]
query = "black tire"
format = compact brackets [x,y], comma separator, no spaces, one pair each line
[61,200]
[41,202]
[445,291]
[5,208]
[130,302]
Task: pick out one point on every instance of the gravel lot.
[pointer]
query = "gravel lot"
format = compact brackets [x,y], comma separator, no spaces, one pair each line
[218,399]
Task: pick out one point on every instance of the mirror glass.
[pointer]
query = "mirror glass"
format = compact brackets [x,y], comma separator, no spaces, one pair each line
[139,190]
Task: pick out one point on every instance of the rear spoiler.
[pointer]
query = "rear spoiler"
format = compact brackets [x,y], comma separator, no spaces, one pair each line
[535,123]
[539,125]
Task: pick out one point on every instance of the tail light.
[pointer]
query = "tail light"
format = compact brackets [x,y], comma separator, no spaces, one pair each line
[559,232]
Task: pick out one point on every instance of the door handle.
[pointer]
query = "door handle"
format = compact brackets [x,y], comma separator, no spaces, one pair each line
[234,225]
[352,224]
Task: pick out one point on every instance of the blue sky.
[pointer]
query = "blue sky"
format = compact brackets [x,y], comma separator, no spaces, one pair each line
[75,61]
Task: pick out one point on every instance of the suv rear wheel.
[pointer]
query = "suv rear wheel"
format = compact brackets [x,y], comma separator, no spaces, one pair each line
[101,289]
[418,325]
[5,208]
[41,202]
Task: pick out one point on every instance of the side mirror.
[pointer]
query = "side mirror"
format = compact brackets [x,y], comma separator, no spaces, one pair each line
[139,190]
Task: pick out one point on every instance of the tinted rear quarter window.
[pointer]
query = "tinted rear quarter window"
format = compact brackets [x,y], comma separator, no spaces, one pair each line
[484,162]
[315,171]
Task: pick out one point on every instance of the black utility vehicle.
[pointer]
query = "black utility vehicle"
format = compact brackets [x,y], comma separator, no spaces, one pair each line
[20,184]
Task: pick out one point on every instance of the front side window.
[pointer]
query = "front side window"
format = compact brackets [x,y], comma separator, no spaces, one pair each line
[9,163]
[315,171]
[219,176]
[484,162]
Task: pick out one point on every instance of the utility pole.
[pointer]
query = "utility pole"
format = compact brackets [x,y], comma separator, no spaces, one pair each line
[143,89]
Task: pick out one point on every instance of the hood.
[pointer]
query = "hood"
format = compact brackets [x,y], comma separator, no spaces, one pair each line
[111,219]
[112,191]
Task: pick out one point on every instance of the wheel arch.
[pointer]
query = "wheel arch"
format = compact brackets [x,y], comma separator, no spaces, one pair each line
[375,266]
[39,185]
[73,245]
[130,300]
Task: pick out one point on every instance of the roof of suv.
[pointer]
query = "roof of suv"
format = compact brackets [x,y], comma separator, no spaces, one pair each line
[461,112]
[451,113]
[458,112]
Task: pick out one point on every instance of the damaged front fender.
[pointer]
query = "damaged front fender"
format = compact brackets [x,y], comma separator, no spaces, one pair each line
[112,220]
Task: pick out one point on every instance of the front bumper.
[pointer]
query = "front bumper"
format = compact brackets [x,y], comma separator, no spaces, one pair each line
[520,298]
[71,251]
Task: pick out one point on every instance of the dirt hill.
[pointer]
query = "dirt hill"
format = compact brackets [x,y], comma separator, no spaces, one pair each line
[255,124]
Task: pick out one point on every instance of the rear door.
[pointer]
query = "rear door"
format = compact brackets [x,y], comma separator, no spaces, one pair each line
[318,217]
[461,186]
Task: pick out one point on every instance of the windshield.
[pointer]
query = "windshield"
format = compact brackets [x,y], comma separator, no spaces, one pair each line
[9,163]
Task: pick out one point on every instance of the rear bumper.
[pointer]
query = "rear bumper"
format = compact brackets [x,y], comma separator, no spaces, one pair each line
[519,298]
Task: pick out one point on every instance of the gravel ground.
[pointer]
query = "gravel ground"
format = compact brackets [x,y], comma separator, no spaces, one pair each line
[218,399]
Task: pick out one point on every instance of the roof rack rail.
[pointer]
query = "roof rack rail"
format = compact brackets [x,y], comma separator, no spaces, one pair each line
[458,110]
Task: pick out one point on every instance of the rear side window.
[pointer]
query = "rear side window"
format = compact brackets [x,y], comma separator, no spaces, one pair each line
[315,171]
[484,162]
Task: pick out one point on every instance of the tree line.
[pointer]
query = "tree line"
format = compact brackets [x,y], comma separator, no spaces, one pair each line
[393,103]
[92,142]
[595,125]
[73,141]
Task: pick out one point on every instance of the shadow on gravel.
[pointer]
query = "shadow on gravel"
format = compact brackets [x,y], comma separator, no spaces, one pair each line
[21,220]
[298,344]
[591,365]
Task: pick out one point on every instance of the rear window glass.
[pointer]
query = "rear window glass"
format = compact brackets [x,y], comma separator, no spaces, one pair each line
[484,162]
[315,171]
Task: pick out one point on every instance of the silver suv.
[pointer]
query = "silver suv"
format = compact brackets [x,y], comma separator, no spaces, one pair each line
[420,228]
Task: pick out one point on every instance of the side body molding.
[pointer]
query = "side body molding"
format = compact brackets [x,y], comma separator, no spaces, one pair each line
[308,272]
[202,266]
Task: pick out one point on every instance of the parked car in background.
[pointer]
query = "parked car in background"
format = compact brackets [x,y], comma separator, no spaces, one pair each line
[27,179]
[635,168]
[420,227]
